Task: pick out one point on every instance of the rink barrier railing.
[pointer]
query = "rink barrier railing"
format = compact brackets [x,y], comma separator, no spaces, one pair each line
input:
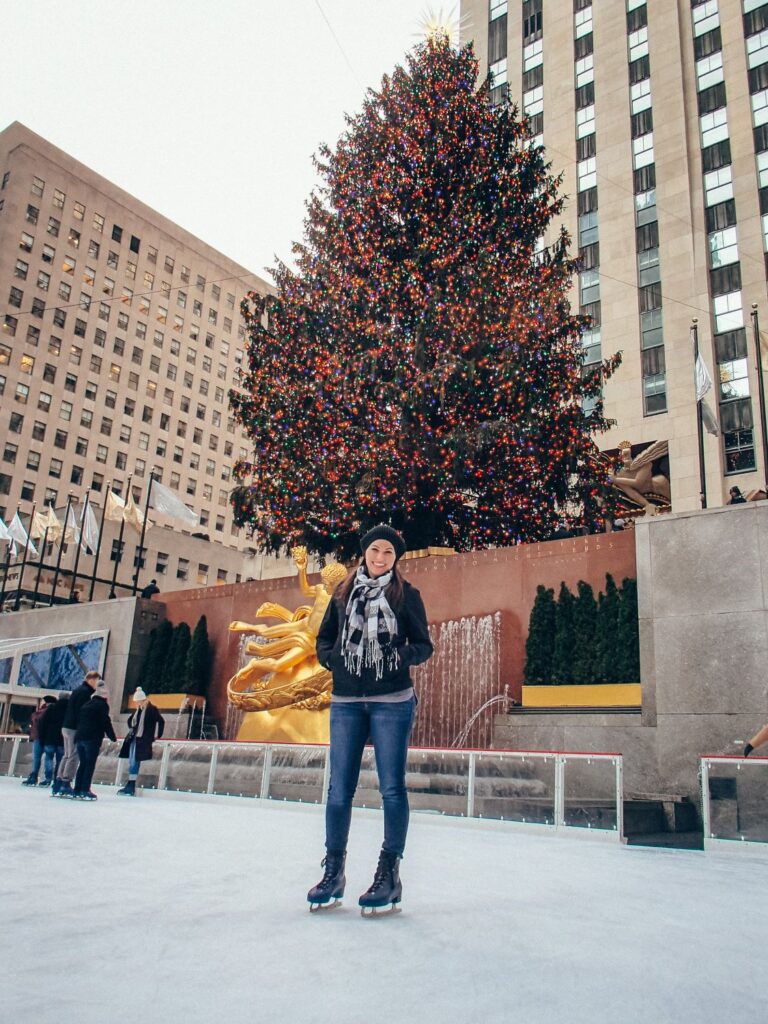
[734,807]
[555,791]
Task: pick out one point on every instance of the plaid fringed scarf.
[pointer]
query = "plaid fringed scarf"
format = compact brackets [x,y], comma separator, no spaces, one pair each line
[370,626]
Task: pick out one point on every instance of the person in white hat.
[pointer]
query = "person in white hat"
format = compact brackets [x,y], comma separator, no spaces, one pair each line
[145,725]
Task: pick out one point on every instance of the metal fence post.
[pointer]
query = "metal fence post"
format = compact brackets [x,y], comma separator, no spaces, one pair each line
[212,769]
[17,740]
[163,776]
[559,790]
[705,816]
[326,776]
[264,794]
[471,785]
[620,796]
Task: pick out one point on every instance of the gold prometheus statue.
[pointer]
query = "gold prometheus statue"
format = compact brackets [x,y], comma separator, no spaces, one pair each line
[284,670]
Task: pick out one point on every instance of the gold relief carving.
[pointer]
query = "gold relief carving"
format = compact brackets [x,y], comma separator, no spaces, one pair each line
[644,480]
[284,670]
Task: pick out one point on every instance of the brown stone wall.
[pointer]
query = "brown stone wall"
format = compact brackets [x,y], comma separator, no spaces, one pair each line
[475,584]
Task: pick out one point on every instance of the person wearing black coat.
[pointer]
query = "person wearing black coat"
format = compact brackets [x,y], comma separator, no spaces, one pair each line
[38,717]
[51,737]
[145,725]
[68,766]
[374,631]
[92,725]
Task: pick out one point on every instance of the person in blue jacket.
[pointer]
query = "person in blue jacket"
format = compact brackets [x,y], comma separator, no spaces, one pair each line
[374,630]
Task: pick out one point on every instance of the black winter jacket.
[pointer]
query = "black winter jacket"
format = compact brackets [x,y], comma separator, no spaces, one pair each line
[94,722]
[412,642]
[154,724]
[50,727]
[83,693]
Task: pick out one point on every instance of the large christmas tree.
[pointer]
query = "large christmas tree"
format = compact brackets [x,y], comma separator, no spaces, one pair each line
[422,366]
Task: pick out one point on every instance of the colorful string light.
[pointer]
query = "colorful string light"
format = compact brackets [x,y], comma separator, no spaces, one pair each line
[422,366]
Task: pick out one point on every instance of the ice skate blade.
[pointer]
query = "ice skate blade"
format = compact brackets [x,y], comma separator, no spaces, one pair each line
[393,908]
[315,908]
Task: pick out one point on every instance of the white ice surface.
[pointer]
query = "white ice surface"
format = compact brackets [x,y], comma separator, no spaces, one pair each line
[192,909]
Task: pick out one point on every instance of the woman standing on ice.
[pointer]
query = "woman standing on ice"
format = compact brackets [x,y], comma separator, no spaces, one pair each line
[374,630]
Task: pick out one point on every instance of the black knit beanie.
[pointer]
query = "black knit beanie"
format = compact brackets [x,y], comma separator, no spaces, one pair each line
[383,532]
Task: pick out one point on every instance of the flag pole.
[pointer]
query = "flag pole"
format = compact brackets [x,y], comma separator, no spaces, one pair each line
[5,572]
[119,552]
[79,548]
[40,567]
[62,542]
[143,535]
[17,602]
[699,423]
[98,543]
[760,393]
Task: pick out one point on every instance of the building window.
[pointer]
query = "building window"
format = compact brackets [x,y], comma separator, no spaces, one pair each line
[27,365]
[32,214]
[709,71]
[533,55]
[718,186]
[714,127]
[586,174]
[53,227]
[38,185]
[706,17]
[728,312]
[585,70]
[759,101]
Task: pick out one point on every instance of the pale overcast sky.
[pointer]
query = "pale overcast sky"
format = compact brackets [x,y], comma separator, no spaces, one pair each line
[207,110]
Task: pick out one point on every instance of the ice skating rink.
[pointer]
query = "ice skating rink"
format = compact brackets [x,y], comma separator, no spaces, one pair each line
[192,909]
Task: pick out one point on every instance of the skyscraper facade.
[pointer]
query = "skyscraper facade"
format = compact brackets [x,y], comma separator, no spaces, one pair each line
[656,114]
[120,337]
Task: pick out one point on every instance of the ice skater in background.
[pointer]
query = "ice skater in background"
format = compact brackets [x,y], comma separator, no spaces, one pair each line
[757,741]
[145,725]
[93,724]
[374,630]
[52,739]
[62,785]
[35,738]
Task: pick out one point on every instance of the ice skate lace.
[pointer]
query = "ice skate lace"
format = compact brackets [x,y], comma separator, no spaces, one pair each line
[380,878]
[331,870]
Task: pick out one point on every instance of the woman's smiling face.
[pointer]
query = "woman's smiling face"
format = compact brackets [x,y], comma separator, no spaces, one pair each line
[379,558]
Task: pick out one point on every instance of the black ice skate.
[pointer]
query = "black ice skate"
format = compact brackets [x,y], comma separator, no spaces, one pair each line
[129,789]
[386,887]
[331,885]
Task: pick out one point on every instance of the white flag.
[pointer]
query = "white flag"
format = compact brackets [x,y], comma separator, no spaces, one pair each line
[71,529]
[115,506]
[4,531]
[133,516]
[164,500]
[703,379]
[19,535]
[89,528]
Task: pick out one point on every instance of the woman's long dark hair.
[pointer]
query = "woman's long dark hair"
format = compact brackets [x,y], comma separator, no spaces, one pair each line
[395,591]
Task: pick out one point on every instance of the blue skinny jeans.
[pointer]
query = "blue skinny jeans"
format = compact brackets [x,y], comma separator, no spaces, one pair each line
[389,728]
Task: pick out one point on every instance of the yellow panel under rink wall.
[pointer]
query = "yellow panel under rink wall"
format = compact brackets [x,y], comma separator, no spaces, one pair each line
[285,725]
[600,695]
